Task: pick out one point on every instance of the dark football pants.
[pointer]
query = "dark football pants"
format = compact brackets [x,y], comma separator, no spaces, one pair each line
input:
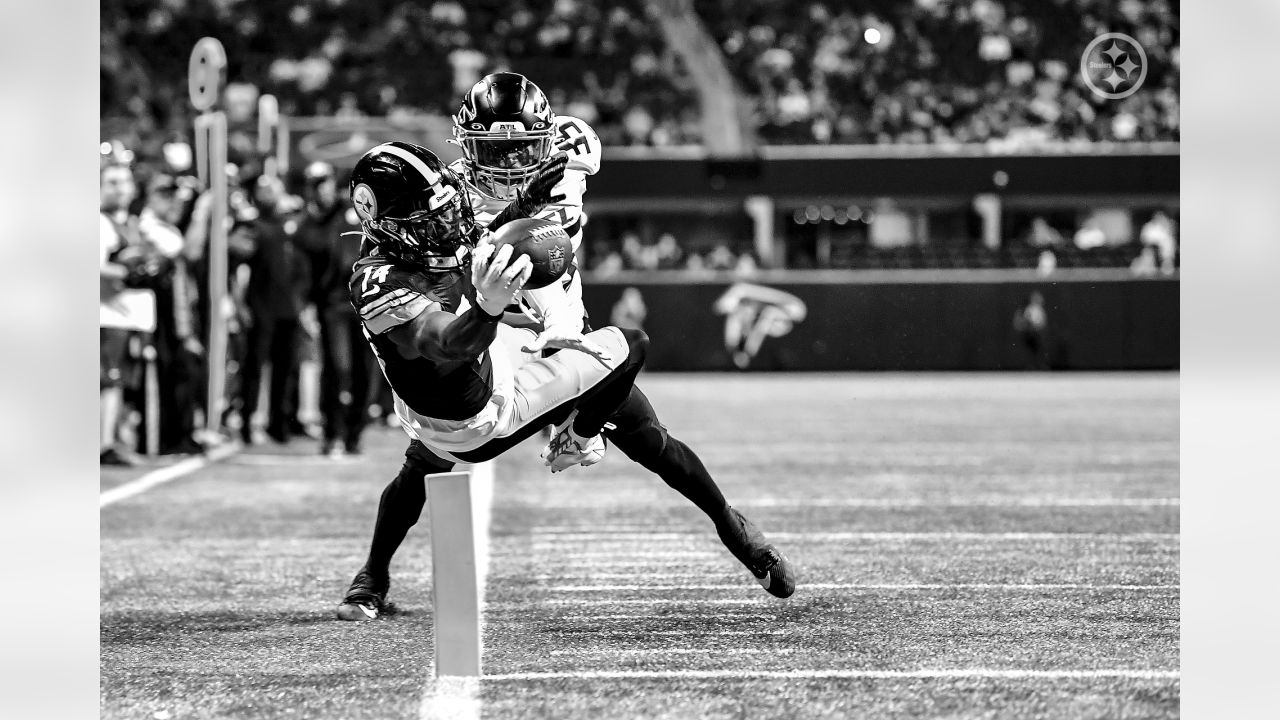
[273,341]
[633,427]
[345,382]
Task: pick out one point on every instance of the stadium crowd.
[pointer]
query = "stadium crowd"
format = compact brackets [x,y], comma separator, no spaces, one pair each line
[942,72]
[286,307]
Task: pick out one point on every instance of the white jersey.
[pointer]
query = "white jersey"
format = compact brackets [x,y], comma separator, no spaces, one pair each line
[580,142]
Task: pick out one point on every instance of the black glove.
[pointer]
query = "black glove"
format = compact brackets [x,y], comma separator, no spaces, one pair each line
[537,194]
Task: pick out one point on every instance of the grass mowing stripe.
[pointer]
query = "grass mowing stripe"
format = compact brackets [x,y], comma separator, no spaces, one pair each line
[165,474]
[960,673]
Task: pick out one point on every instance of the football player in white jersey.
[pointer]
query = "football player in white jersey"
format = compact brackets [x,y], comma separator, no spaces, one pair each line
[507,129]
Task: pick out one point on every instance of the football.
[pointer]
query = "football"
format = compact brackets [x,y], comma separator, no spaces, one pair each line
[546,244]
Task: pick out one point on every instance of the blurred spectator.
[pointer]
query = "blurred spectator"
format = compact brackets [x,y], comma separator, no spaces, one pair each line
[1042,234]
[1157,233]
[1046,263]
[630,311]
[276,296]
[330,236]
[122,310]
[1032,324]
[179,352]
[1090,236]
[1145,264]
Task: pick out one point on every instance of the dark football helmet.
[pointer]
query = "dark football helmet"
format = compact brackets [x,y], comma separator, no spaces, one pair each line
[411,205]
[506,129]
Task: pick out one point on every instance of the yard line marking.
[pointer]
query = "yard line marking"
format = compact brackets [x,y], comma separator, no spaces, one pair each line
[165,474]
[675,651]
[899,503]
[647,633]
[752,615]
[644,601]
[962,673]
[280,459]
[993,502]
[636,536]
[868,586]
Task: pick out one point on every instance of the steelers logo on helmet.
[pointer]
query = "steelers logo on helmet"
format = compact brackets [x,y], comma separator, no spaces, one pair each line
[366,204]
[411,205]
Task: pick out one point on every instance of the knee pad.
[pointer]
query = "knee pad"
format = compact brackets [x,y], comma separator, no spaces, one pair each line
[643,439]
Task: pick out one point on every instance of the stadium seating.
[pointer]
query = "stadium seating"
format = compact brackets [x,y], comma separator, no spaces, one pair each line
[943,72]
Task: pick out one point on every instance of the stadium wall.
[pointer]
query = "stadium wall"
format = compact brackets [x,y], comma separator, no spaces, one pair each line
[888,321]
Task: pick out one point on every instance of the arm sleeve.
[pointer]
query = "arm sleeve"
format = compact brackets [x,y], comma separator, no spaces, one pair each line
[448,338]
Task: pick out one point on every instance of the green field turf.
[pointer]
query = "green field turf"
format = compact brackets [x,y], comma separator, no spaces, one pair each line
[970,546]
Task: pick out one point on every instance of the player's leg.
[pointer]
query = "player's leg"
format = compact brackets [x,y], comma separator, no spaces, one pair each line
[256,351]
[361,364]
[285,337]
[576,440]
[335,386]
[398,510]
[113,349]
[553,390]
[636,430]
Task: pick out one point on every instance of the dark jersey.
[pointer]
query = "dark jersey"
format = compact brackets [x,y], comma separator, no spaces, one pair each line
[388,294]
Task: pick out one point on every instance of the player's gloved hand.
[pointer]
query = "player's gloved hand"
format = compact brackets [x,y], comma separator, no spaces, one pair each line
[496,278]
[536,195]
[567,338]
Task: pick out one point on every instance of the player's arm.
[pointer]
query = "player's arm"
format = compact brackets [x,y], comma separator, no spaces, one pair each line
[447,338]
[536,195]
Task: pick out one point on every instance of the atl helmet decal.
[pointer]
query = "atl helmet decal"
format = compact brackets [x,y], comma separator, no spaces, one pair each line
[365,202]
[507,127]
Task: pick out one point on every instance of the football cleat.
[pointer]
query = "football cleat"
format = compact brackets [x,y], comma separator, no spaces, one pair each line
[366,599]
[567,448]
[769,566]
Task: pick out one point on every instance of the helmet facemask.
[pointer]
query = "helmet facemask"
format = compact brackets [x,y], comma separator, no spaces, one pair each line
[429,237]
[500,163]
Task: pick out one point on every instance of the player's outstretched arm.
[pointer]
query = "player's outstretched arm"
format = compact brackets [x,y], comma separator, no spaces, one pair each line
[562,323]
[447,338]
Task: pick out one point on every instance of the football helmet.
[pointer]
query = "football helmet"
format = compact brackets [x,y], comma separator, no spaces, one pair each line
[411,205]
[506,129]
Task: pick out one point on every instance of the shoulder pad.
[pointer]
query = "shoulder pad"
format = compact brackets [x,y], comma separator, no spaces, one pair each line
[386,295]
[576,137]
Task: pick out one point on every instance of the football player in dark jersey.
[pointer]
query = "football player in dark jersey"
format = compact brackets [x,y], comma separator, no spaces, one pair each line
[430,290]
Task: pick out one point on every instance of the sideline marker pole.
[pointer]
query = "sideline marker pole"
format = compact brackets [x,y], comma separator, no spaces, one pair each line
[455,586]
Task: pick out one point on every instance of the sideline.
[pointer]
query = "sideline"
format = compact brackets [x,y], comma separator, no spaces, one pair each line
[160,476]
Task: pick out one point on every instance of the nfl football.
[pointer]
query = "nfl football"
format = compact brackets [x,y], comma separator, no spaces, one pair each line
[546,244]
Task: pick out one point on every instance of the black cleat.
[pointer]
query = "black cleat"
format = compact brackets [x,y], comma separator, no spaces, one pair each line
[366,599]
[769,566]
